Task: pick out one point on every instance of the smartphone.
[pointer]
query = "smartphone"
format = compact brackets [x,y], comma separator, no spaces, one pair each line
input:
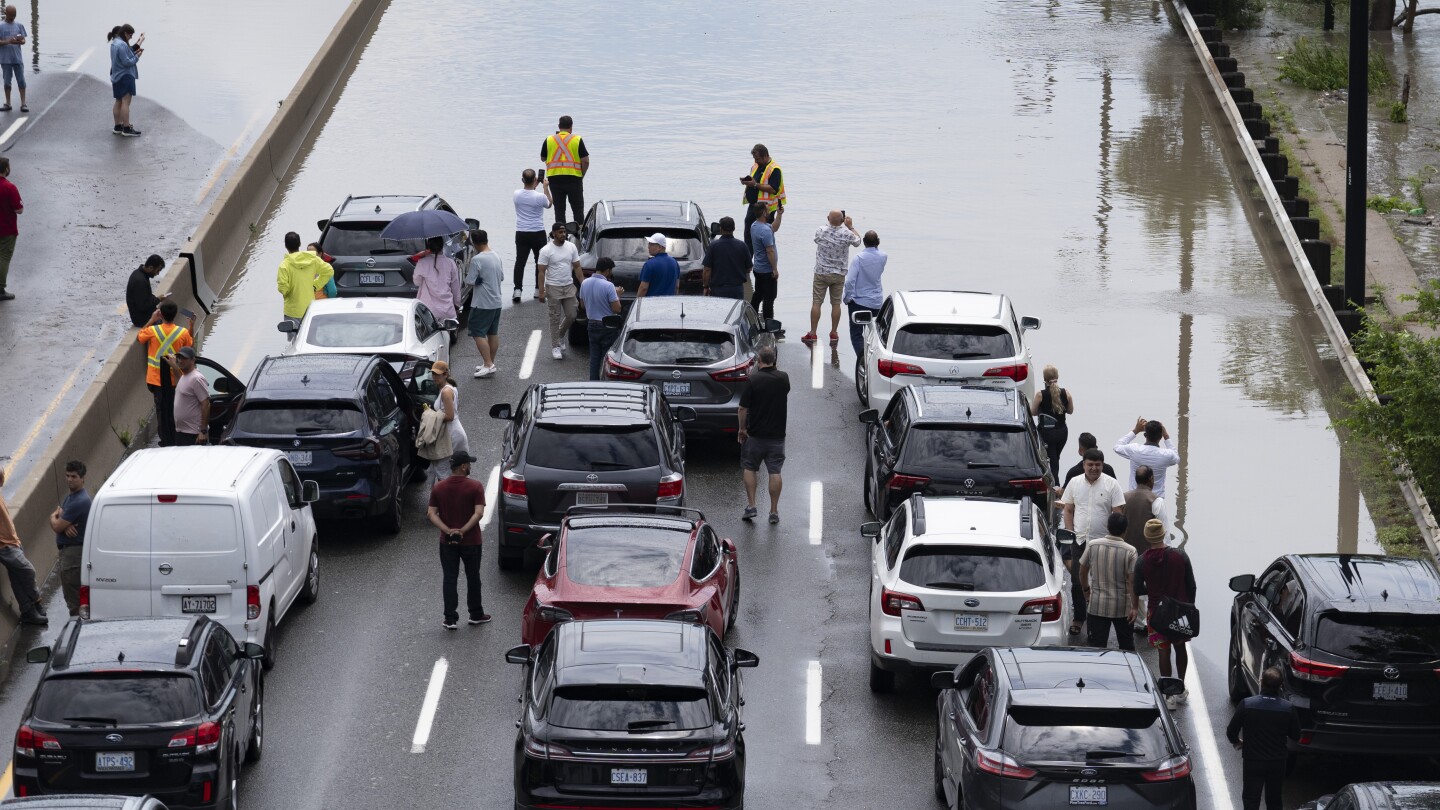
[166,295]
[843,214]
[744,177]
[187,314]
[540,175]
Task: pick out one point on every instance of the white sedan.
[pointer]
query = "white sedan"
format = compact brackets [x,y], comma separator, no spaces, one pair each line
[395,328]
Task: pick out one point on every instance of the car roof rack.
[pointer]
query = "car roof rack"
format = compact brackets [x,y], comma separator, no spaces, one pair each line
[659,510]
[189,645]
[65,646]
[917,514]
[1027,518]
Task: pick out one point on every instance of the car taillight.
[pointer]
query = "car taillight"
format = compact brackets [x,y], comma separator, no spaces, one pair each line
[892,602]
[535,748]
[28,739]
[691,615]
[1001,765]
[1307,670]
[719,751]
[554,615]
[252,603]
[1028,484]
[1306,737]
[890,368]
[671,486]
[84,601]
[1169,770]
[368,450]
[167,498]
[205,738]
[1016,373]
[617,371]
[899,481]
[512,484]
[738,373]
[1048,608]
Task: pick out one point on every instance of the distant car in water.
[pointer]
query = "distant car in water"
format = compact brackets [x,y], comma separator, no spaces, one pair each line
[397,329]
[365,264]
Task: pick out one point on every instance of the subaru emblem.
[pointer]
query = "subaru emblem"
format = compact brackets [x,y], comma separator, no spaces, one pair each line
[969,483]
[972,603]
[114,738]
[592,477]
[675,374]
[370,262]
[1391,673]
[1088,772]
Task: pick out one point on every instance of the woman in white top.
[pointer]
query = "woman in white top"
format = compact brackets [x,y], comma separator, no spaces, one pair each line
[448,403]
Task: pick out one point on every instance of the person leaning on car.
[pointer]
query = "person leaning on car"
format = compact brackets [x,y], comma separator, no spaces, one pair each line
[1260,728]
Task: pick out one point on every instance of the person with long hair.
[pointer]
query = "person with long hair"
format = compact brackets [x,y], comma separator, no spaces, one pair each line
[1052,404]
[448,403]
[124,72]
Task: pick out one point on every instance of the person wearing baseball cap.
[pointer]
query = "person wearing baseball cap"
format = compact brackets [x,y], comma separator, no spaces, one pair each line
[457,505]
[192,400]
[660,274]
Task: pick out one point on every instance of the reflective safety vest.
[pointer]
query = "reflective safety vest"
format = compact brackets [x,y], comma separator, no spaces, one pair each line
[159,347]
[563,149]
[772,201]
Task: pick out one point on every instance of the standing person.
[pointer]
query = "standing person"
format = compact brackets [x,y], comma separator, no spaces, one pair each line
[1107,569]
[863,289]
[566,162]
[139,299]
[68,522]
[437,281]
[660,275]
[765,184]
[601,297]
[457,505]
[1157,453]
[557,274]
[485,272]
[11,207]
[1165,572]
[1260,728]
[302,273]
[1141,506]
[766,263]
[1084,444]
[124,72]
[448,404]
[1088,502]
[762,414]
[832,258]
[727,263]
[18,567]
[192,401]
[162,337]
[530,208]
[1051,405]
[12,59]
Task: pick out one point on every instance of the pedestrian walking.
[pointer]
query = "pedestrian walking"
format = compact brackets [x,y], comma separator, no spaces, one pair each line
[68,522]
[601,297]
[566,162]
[140,300]
[762,414]
[1107,567]
[863,289]
[1165,573]
[457,505]
[557,275]
[1085,443]
[1088,501]
[765,262]
[11,207]
[162,337]
[448,404]
[1050,406]
[12,59]
[302,273]
[484,273]
[1261,728]
[727,263]
[660,274]
[832,259]
[124,72]
[1156,453]
[192,401]
[530,206]
[18,567]
[1142,505]
[765,184]
[437,281]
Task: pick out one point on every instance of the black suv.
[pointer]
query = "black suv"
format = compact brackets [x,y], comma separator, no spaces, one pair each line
[953,440]
[346,421]
[618,230]
[630,712]
[1358,638]
[365,264]
[1380,796]
[165,707]
[584,444]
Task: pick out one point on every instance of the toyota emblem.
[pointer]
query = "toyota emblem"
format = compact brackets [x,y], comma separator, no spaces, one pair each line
[592,477]
[675,374]
[1391,672]
[969,483]
[972,603]
[370,262]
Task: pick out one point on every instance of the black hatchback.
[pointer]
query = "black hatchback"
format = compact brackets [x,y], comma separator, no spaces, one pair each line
[630,713]
[953,440]
[165,707]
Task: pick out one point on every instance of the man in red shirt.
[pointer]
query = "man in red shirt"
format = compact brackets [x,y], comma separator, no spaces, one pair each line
[457,505]
[10,210]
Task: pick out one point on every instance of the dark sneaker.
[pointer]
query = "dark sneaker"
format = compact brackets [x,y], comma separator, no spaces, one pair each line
[5,296]
[449,624]
[750,513]
[130,132]
[483,618]
[774,518]
[33,618]
[119,130]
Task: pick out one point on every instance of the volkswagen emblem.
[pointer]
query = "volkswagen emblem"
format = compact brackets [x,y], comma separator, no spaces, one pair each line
[1089,772]
[675,374]
[969,483]
[592,477]
[370,262]
[165,569]
[1391,672]
[972,603]
[114,738]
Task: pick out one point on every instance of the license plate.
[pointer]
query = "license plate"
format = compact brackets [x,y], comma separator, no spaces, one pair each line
[629,776]
[1089,794]
[1392,691]
[676,389]
[300,458]
[372,278]
[591,498]
[112,761]
[197,604]
[971,621]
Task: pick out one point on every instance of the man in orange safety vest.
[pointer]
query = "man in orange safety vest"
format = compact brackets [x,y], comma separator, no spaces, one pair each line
[566,162]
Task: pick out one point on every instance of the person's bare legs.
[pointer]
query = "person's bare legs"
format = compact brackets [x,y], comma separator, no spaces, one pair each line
[115,112]
[124,105]
[750,488]
[775,483]
[487,354]
[814,316]
[834,316]
[494,341]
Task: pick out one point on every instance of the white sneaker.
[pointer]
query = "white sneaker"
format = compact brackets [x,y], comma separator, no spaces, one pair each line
[486,371]
[1170,702]
[557,353]
[1182,697]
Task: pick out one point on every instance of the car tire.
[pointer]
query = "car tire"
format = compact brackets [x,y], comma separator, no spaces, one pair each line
[579,335]
[1235,684]
[862,381]
[939,768]
[734,603]
[255,747]
[392,520]
[865,487]
[311,590]
[270,641]
[881,680]
[232,802]
[511,559]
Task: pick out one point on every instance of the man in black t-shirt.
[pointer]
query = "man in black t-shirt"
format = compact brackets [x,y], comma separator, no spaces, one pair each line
[762,429]
[1086,442]
[138,298]
[727,263]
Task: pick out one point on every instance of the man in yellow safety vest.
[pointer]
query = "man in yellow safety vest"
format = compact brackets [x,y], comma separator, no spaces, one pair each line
[766,184]
[162,337]
[566,162]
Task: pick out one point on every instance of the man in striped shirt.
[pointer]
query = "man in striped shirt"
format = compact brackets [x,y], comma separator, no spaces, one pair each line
[1107,569]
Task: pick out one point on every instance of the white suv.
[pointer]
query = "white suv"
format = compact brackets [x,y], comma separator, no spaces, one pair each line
[950,576]
[925,337]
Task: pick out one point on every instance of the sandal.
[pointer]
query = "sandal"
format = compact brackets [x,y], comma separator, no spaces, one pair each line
[6,108]
[24,108]
[1074,628]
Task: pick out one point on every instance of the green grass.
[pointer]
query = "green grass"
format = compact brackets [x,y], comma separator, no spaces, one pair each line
[1386,204]
[1317,66]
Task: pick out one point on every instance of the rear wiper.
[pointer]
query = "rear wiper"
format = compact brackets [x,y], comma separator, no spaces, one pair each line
[608,465]
[1108,754]
[641,725]
[100,721]
[386,251]
[981,465]
[951,586]
[690,361]
[303,430]
[968,355]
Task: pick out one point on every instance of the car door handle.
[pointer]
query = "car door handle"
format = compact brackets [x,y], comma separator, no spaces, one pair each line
[292,525]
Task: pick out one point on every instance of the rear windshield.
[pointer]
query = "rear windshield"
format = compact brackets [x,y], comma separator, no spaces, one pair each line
[629,708]
[1069,735]
[625,556]
[363,239]
[957,341]
[630,245]
[586,447]
[117,699]
[1379,637]
[679,347]
[972,568]
[957,450]
[299,419]
[352,329]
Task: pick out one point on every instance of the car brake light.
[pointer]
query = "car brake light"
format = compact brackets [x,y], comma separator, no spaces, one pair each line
[738,373]
[28,739]
[892,602]
[1306,737]
[1048,608]
[535,748]
[1017,373]
[512,484]
[252,603]
[671,486]
[1001,765]
[899,481]
[367,450]
[206,790]
[890,368]
[1308,670]
[554,615]
[167,498]
[84,601]
[1028,484]
[719,751]
[691,615]
[207,738]
[1169,770]
[617,371]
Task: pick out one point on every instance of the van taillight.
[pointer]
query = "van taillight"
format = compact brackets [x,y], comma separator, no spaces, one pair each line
[252,603]
[671,486]
[84,601]
[167,498]
[512,484]
[28,739]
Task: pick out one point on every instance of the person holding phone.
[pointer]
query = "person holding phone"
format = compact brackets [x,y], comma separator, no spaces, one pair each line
[139,299]
[764,184]
[12,59]
[162,337]
[124,72]
[530,205]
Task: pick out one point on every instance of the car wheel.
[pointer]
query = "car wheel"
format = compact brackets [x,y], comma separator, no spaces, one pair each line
[734,603]
[311,591]
[865,487]
[233,802]
[270,641]
[881,680]
[1234,678]
[392,519]
[256,746]
[579,335]
[862,381]
[939,768]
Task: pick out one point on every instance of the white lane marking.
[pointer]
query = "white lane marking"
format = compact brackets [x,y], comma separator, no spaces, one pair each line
[817,512]
[817,367]
[492,488]
[532,348]
[812,703]
[1205,732]
[427,709]
[74,66]
[19,122]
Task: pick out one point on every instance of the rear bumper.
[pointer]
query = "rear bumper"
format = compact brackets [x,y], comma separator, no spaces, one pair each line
[909,656]
[1413,741]
[190,797]
[356,499]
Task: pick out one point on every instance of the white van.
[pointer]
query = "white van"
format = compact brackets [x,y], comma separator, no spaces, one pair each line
[220,531]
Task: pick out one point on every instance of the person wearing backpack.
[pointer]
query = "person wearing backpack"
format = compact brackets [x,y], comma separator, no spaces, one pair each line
[1163,572]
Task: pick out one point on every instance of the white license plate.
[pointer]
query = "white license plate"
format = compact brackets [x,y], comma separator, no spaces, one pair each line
[372,278]
[300,458]
[112,761]
[591,498]
[1392,691]
[676,389]
[197,604]
[971,621]
[1088,794]
[629,776]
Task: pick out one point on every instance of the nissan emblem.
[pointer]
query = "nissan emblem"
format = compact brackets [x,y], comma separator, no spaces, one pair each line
[675,374]
[165,569]
[1391,672]
[370,262]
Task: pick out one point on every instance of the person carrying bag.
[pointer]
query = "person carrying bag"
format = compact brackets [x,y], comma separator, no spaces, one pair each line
[1166,576]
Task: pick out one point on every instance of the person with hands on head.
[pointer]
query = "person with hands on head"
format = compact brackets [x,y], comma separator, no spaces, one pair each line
[1157,453]
[68,522]
[1107,568]
[557,277]
[457,505]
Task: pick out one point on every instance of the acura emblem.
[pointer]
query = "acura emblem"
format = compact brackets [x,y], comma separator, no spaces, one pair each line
[969,483]
[370,262]
[1088,772]
[113,738]
[954,369]
[972,603]
[592,477]
[675,374]
[1391,673]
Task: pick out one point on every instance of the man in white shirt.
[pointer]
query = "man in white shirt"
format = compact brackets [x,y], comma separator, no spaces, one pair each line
[557,276]
[1088,500]
[1156,453]
[530,208]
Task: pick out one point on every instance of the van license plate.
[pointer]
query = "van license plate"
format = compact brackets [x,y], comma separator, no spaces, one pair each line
[1392,691]
[112,761]
[675,389]
[972,621]
[1089,794]
[629,776]
[372,278]
[300,458]
[591,498]
[197,604]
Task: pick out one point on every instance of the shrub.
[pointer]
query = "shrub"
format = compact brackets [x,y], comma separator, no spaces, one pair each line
[1317,66]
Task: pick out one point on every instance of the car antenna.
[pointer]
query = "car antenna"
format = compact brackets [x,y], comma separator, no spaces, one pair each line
[1079,683]
[121,657]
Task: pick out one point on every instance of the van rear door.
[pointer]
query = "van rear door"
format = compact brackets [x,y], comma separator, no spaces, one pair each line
[199,562]
[118,547]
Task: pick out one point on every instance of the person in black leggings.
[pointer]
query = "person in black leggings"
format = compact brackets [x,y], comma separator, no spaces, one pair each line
[766,265]
[1052,404]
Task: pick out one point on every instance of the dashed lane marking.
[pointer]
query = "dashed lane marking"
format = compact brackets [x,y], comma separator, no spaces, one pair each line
[492,490]
[74,66]
[817,512]
[6,780]
[817,367]
[812,703]
[13,128]
[427,709]
[532,348]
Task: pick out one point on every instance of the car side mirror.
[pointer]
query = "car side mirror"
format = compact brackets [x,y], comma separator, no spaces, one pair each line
[1064,537]
[309,491]
[871,529]
[501,410]
[1169,687]
[288,327]
[518,655]
[1028,322]
[546,542]
[683,413]
[1244,583]
[612,321]
[472,223]
[222,385]
[449,325]
[714,228]
[862,317]
[745,658]
[870,416]
[944,679]
[322,224]
[772,325]
[252,651]
[38,655]
[728,546]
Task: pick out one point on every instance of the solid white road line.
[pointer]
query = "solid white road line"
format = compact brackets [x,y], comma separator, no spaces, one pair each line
[817,512]
[817,366]
[427,709]
[532,348]
[812,703]
[74,66]
[11,130]
[1205,733]
[492,488]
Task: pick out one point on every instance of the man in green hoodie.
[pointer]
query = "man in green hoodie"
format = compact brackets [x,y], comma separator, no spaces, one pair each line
[301,274]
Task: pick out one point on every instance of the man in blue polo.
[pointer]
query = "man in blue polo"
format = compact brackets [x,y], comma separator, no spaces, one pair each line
[660,275]
[863,291]
[601,297]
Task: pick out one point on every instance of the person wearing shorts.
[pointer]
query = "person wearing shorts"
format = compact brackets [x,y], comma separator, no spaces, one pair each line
[484,273]
[124,72]
[832,258]
[762,414]
[12,59]
[1165,572]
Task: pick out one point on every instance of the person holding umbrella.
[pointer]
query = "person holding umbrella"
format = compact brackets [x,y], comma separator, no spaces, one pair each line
[437,278]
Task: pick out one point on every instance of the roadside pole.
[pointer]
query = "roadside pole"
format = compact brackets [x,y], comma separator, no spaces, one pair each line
[1356,144]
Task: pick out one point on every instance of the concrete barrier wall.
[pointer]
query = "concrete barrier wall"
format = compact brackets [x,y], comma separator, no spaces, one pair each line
[117,399]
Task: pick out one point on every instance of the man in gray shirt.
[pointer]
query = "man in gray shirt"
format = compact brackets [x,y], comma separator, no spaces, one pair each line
[12,59]
[485,272]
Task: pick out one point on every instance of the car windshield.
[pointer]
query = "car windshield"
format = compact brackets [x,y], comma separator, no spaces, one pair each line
[299,419]
[1048,734]
[625,556]
[972,568]
[355,329]
[588,447]
[957,341]
[1380,636]
[630,245]
[629,708]
[363,239]
[954,450]
[117,699]
[679,346]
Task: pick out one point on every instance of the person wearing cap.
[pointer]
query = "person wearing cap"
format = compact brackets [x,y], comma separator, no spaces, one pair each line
[448,404]
[139,299]
[660,275]
[1165,572]
[192,400]
[457,505]
[557,277]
